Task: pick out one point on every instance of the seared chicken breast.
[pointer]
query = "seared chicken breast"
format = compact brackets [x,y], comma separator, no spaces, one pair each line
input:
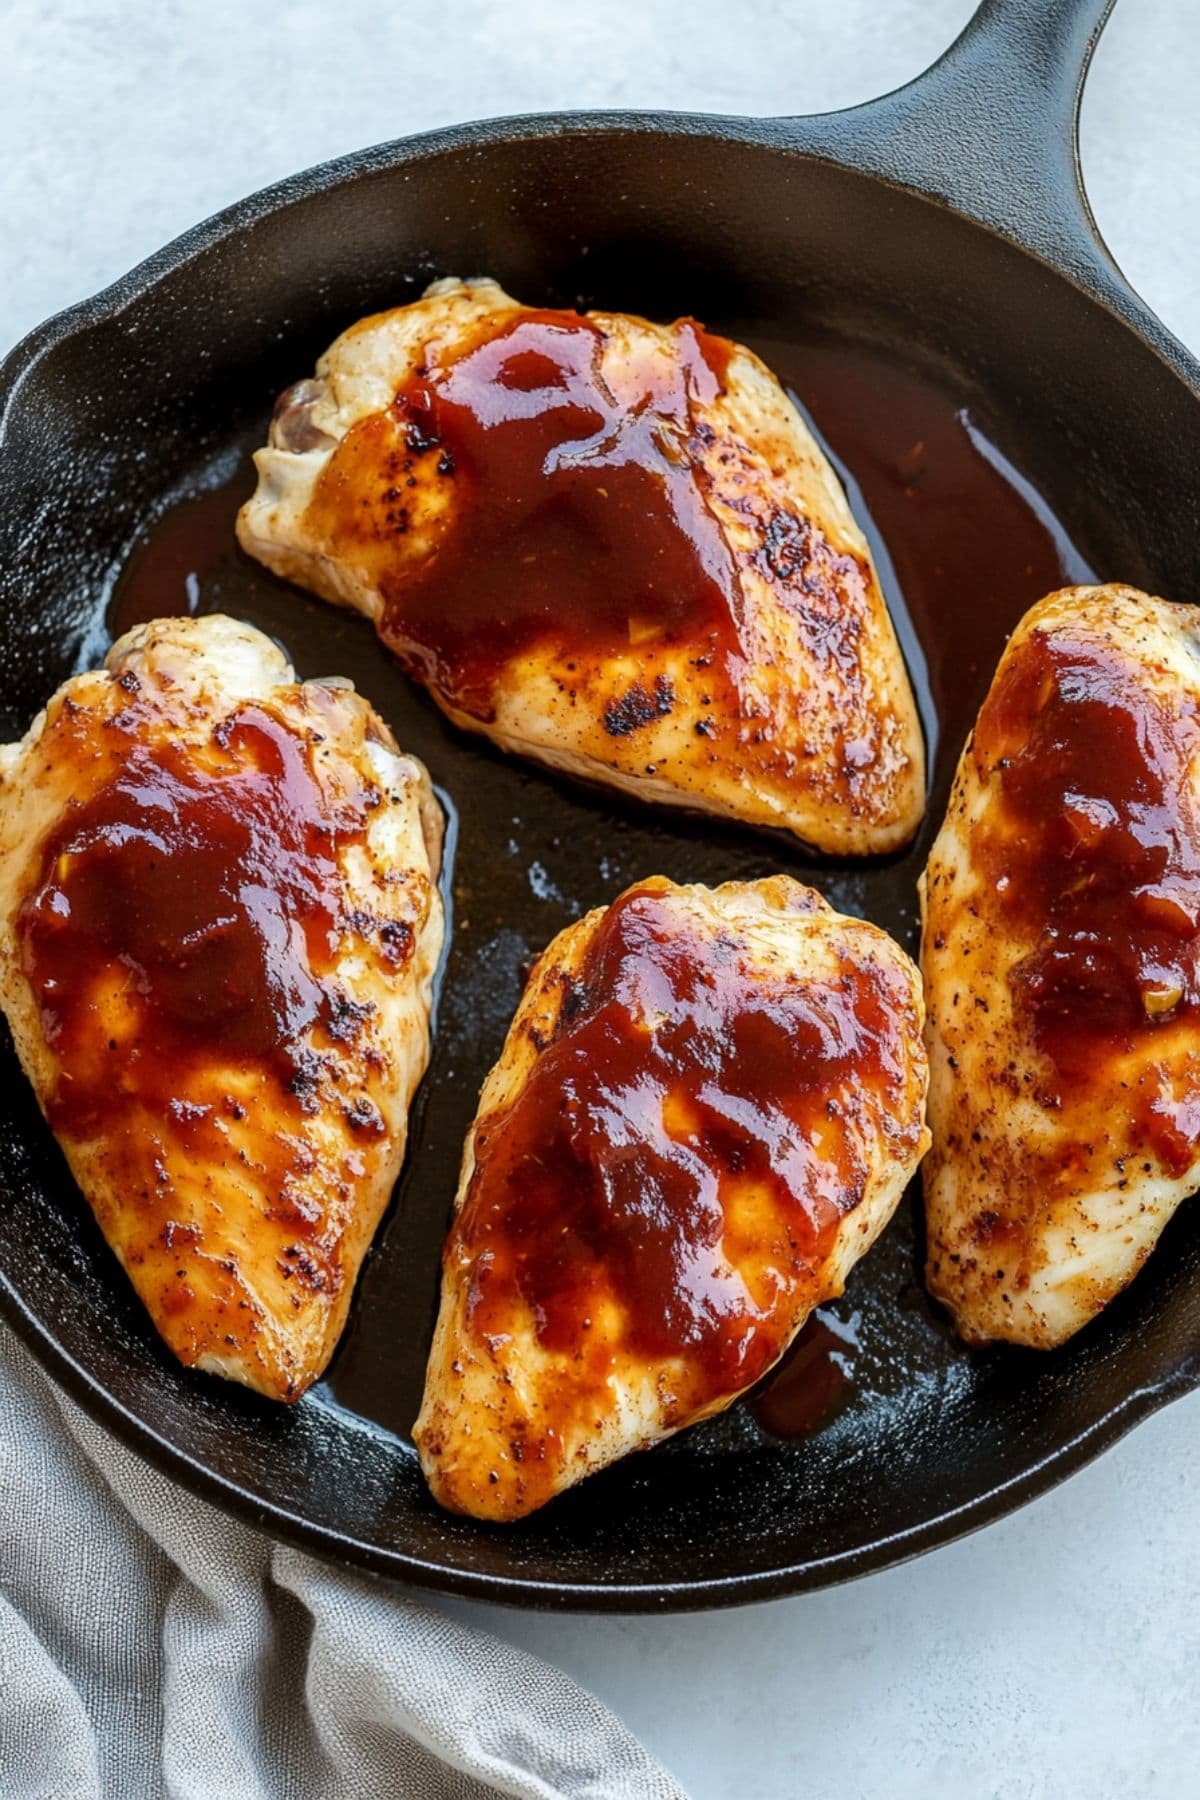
[610,545]
[218,931]
[1060,950]
[706,1110]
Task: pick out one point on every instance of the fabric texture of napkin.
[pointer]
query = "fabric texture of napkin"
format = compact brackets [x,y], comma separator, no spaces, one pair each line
[150,1646]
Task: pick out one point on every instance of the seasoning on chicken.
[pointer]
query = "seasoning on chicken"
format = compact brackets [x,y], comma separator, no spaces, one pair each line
[609,545]
[218,931]
[1061,954]
[706,1110]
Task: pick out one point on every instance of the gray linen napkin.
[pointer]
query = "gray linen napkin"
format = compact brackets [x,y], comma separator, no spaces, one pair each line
[150,1646]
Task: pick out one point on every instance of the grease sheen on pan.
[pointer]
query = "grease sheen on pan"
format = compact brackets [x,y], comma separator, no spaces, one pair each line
[706,1109]
[218,930]
[610,545]
[1061,950]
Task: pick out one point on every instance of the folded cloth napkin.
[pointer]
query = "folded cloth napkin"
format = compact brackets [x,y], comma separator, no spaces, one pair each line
[151,1646]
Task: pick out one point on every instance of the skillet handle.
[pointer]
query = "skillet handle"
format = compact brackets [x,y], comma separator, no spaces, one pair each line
[991,128]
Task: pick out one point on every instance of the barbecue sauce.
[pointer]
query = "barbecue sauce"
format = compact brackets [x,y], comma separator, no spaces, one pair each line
[183,557]
[684,1148]
[1096,854]
[185,913]
[961,542]
[963,545]
[813,1383]
[510,499]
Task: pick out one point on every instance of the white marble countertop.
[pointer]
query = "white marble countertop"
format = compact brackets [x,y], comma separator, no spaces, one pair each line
[1056,1653]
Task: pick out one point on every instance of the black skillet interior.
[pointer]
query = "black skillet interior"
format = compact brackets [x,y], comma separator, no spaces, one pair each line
[947,368]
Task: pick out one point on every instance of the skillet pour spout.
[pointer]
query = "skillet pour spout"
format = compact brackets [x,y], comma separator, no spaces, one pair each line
[935,242]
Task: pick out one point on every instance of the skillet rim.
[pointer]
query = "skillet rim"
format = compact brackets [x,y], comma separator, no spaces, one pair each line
[743,1589]
[838,140]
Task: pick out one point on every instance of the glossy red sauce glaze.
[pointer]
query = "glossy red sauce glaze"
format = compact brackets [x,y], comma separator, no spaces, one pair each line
[971,551]
[578,517]
[963,545]
[678,1086]
[1100,853]
[814,1382]
[205,886]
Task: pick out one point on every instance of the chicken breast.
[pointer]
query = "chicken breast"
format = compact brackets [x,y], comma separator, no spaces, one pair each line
[1061,938]
[610,545]
[218,931]
[706,1110]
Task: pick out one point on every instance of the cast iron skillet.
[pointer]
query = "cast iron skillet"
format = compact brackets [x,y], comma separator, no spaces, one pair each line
[940,229]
